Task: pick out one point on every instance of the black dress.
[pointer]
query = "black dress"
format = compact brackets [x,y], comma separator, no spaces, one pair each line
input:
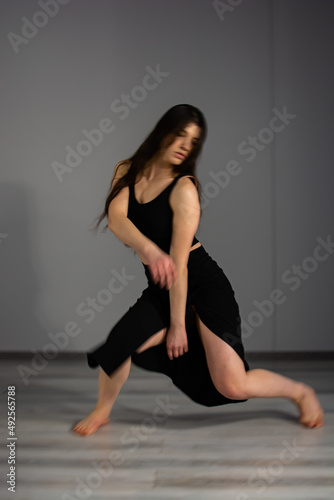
[209,291]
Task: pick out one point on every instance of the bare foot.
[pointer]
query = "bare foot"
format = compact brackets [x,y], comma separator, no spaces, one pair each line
[311,413]
[91,423]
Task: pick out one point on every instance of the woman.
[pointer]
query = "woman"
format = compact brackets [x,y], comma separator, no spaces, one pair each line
[186,323]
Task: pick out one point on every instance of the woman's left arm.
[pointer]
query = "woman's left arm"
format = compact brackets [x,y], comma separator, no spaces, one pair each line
[185,204]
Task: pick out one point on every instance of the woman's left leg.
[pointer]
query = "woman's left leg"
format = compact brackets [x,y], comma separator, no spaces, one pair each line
[230,378]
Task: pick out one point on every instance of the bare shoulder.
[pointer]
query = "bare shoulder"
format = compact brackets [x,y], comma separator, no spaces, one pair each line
[121,169]
[185,192]
[185,186]
[120,201]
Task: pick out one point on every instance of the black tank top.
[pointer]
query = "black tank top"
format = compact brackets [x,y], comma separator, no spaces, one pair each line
[154,219]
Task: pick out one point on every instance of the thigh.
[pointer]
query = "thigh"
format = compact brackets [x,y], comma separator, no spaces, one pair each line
[154,340]
[217,312]
[226,367]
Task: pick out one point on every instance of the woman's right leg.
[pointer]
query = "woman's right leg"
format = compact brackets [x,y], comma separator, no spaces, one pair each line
[110,387]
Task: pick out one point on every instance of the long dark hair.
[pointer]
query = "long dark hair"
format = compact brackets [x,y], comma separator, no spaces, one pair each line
[170,124]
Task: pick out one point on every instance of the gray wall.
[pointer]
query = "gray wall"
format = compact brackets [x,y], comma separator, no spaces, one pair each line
[261,219]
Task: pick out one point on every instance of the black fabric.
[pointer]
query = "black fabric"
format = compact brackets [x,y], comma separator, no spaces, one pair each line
[154,219]
[211,293]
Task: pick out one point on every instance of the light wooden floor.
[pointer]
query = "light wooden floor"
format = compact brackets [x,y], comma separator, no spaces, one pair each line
[161,445]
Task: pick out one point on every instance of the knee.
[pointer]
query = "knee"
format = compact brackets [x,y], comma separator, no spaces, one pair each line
[231,389]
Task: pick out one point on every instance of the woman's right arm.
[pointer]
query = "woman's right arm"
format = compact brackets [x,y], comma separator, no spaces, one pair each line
[161,265]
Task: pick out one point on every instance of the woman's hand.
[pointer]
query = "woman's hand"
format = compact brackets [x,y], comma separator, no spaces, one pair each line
[176,341]
[162,267]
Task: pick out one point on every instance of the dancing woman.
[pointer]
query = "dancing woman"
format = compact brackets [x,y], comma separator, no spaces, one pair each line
[186,324]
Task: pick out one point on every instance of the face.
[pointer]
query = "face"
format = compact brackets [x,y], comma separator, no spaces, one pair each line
[182,145]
